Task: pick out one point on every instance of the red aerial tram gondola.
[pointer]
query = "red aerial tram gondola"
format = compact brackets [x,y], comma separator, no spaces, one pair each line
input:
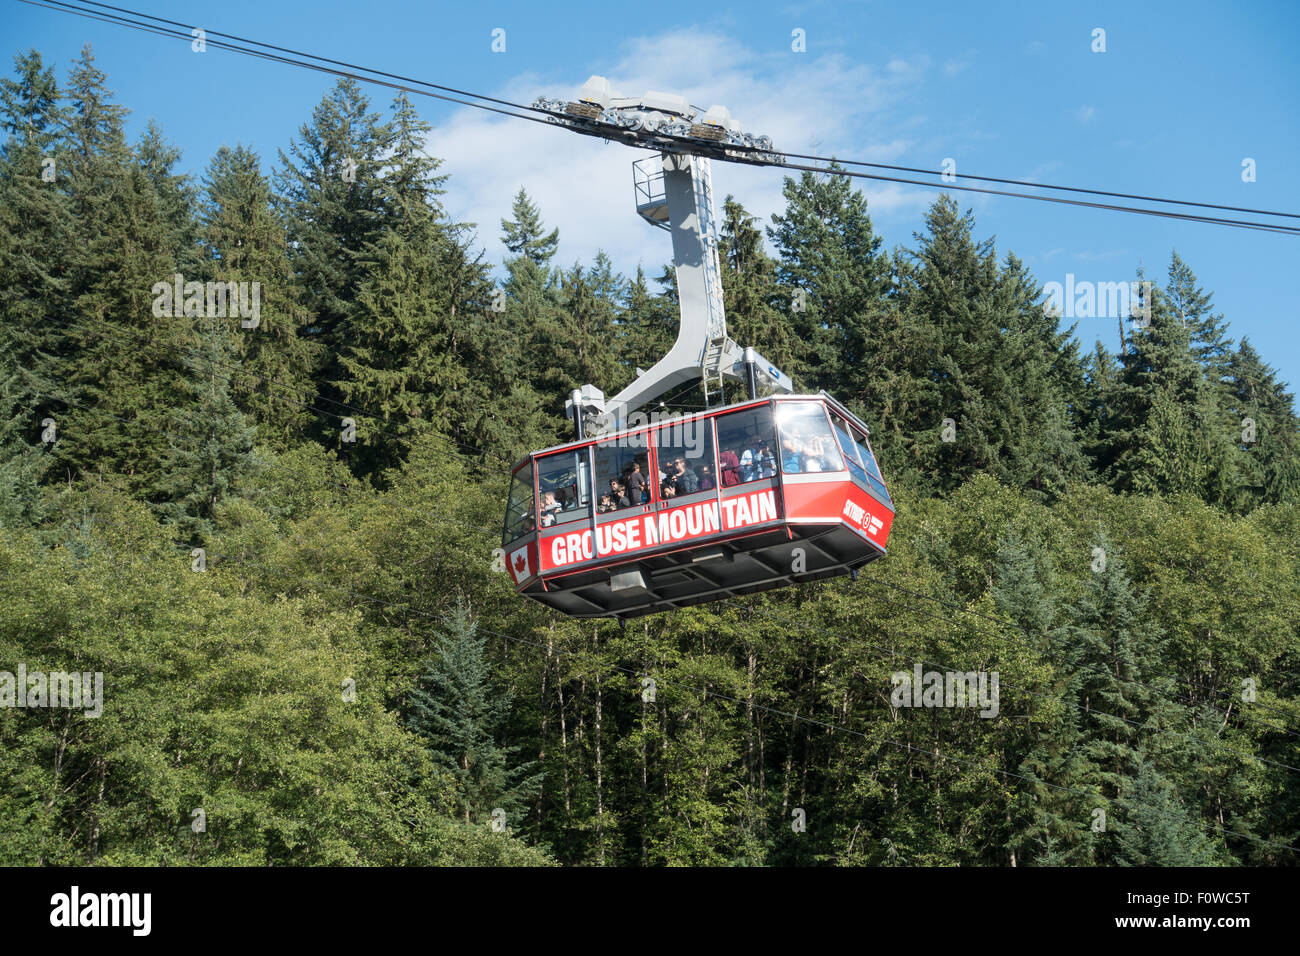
[786,490]
[643,514]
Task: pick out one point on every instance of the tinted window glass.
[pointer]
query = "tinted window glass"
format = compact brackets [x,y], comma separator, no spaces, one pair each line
[562,486]
[521,515]
[807,443]
[844,436]
[869,460]
[621,468]
[746,446]
[685,458]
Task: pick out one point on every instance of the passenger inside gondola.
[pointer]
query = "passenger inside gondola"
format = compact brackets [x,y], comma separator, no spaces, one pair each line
[550,508]
[618,494]
[729,462]
[792,451]
[745,446]
[757,461]
[807,442]
[683,479]
[637,492]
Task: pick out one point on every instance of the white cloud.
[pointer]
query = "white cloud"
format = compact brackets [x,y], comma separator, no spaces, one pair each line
[583,186]
[1102,255]
[958,65]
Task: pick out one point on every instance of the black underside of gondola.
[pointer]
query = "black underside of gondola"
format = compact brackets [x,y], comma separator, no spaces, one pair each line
[712,572]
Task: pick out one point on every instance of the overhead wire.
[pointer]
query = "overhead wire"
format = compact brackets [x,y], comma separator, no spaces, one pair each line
[371,75]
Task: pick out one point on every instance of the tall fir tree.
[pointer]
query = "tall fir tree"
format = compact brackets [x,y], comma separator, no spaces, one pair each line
[244,241]
[330,192]
[1167,432]
[1036,388]
[116,376]
[1194,309]
[1055,815]
[36,239]
[1155,826]
[177,197]
[951,294]
[758,308]
[827,250]
[647,327]
[525,235]
[209,458]
[460,714]
[421,322]
[1113,652]
[532,319]
[1262,411]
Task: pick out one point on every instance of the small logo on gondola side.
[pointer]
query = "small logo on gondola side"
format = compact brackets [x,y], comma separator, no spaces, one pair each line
[859,516]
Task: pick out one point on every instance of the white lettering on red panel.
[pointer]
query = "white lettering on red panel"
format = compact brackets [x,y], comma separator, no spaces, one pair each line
[874,525]
[664,527]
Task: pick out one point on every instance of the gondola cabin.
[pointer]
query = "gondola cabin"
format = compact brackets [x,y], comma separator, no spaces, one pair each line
[734,500]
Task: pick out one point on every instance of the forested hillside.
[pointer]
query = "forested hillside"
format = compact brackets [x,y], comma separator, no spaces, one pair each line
[273,532]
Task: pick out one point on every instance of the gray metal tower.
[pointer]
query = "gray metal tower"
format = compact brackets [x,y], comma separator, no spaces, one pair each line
[675,192]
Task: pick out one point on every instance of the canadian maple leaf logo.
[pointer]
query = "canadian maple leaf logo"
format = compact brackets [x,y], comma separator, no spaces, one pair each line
[520,563]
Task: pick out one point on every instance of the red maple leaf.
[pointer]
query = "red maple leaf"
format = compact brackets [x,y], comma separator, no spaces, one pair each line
[520,563]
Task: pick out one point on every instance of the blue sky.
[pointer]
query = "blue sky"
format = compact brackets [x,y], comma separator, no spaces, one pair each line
[1184,92]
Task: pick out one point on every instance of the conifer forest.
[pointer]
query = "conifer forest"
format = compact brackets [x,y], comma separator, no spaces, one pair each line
[276,530]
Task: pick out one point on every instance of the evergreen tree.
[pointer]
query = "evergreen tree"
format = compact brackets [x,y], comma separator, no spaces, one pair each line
[35,244]
[1038,385]
[114,374]
[525,236]
[332,196]
[1113,651]
[404,361]
[177,197]
[1193,307]
[827,248]
[459,713]
[952,295]
[647,328]
[1167,432]
[244,242]
[1101,378]
[411,181]
[758,309]
[580,350]
[421,323]
[533,320]
[1263,412]
[1055,822]
[23,460]
[210,453]
[1155,828]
